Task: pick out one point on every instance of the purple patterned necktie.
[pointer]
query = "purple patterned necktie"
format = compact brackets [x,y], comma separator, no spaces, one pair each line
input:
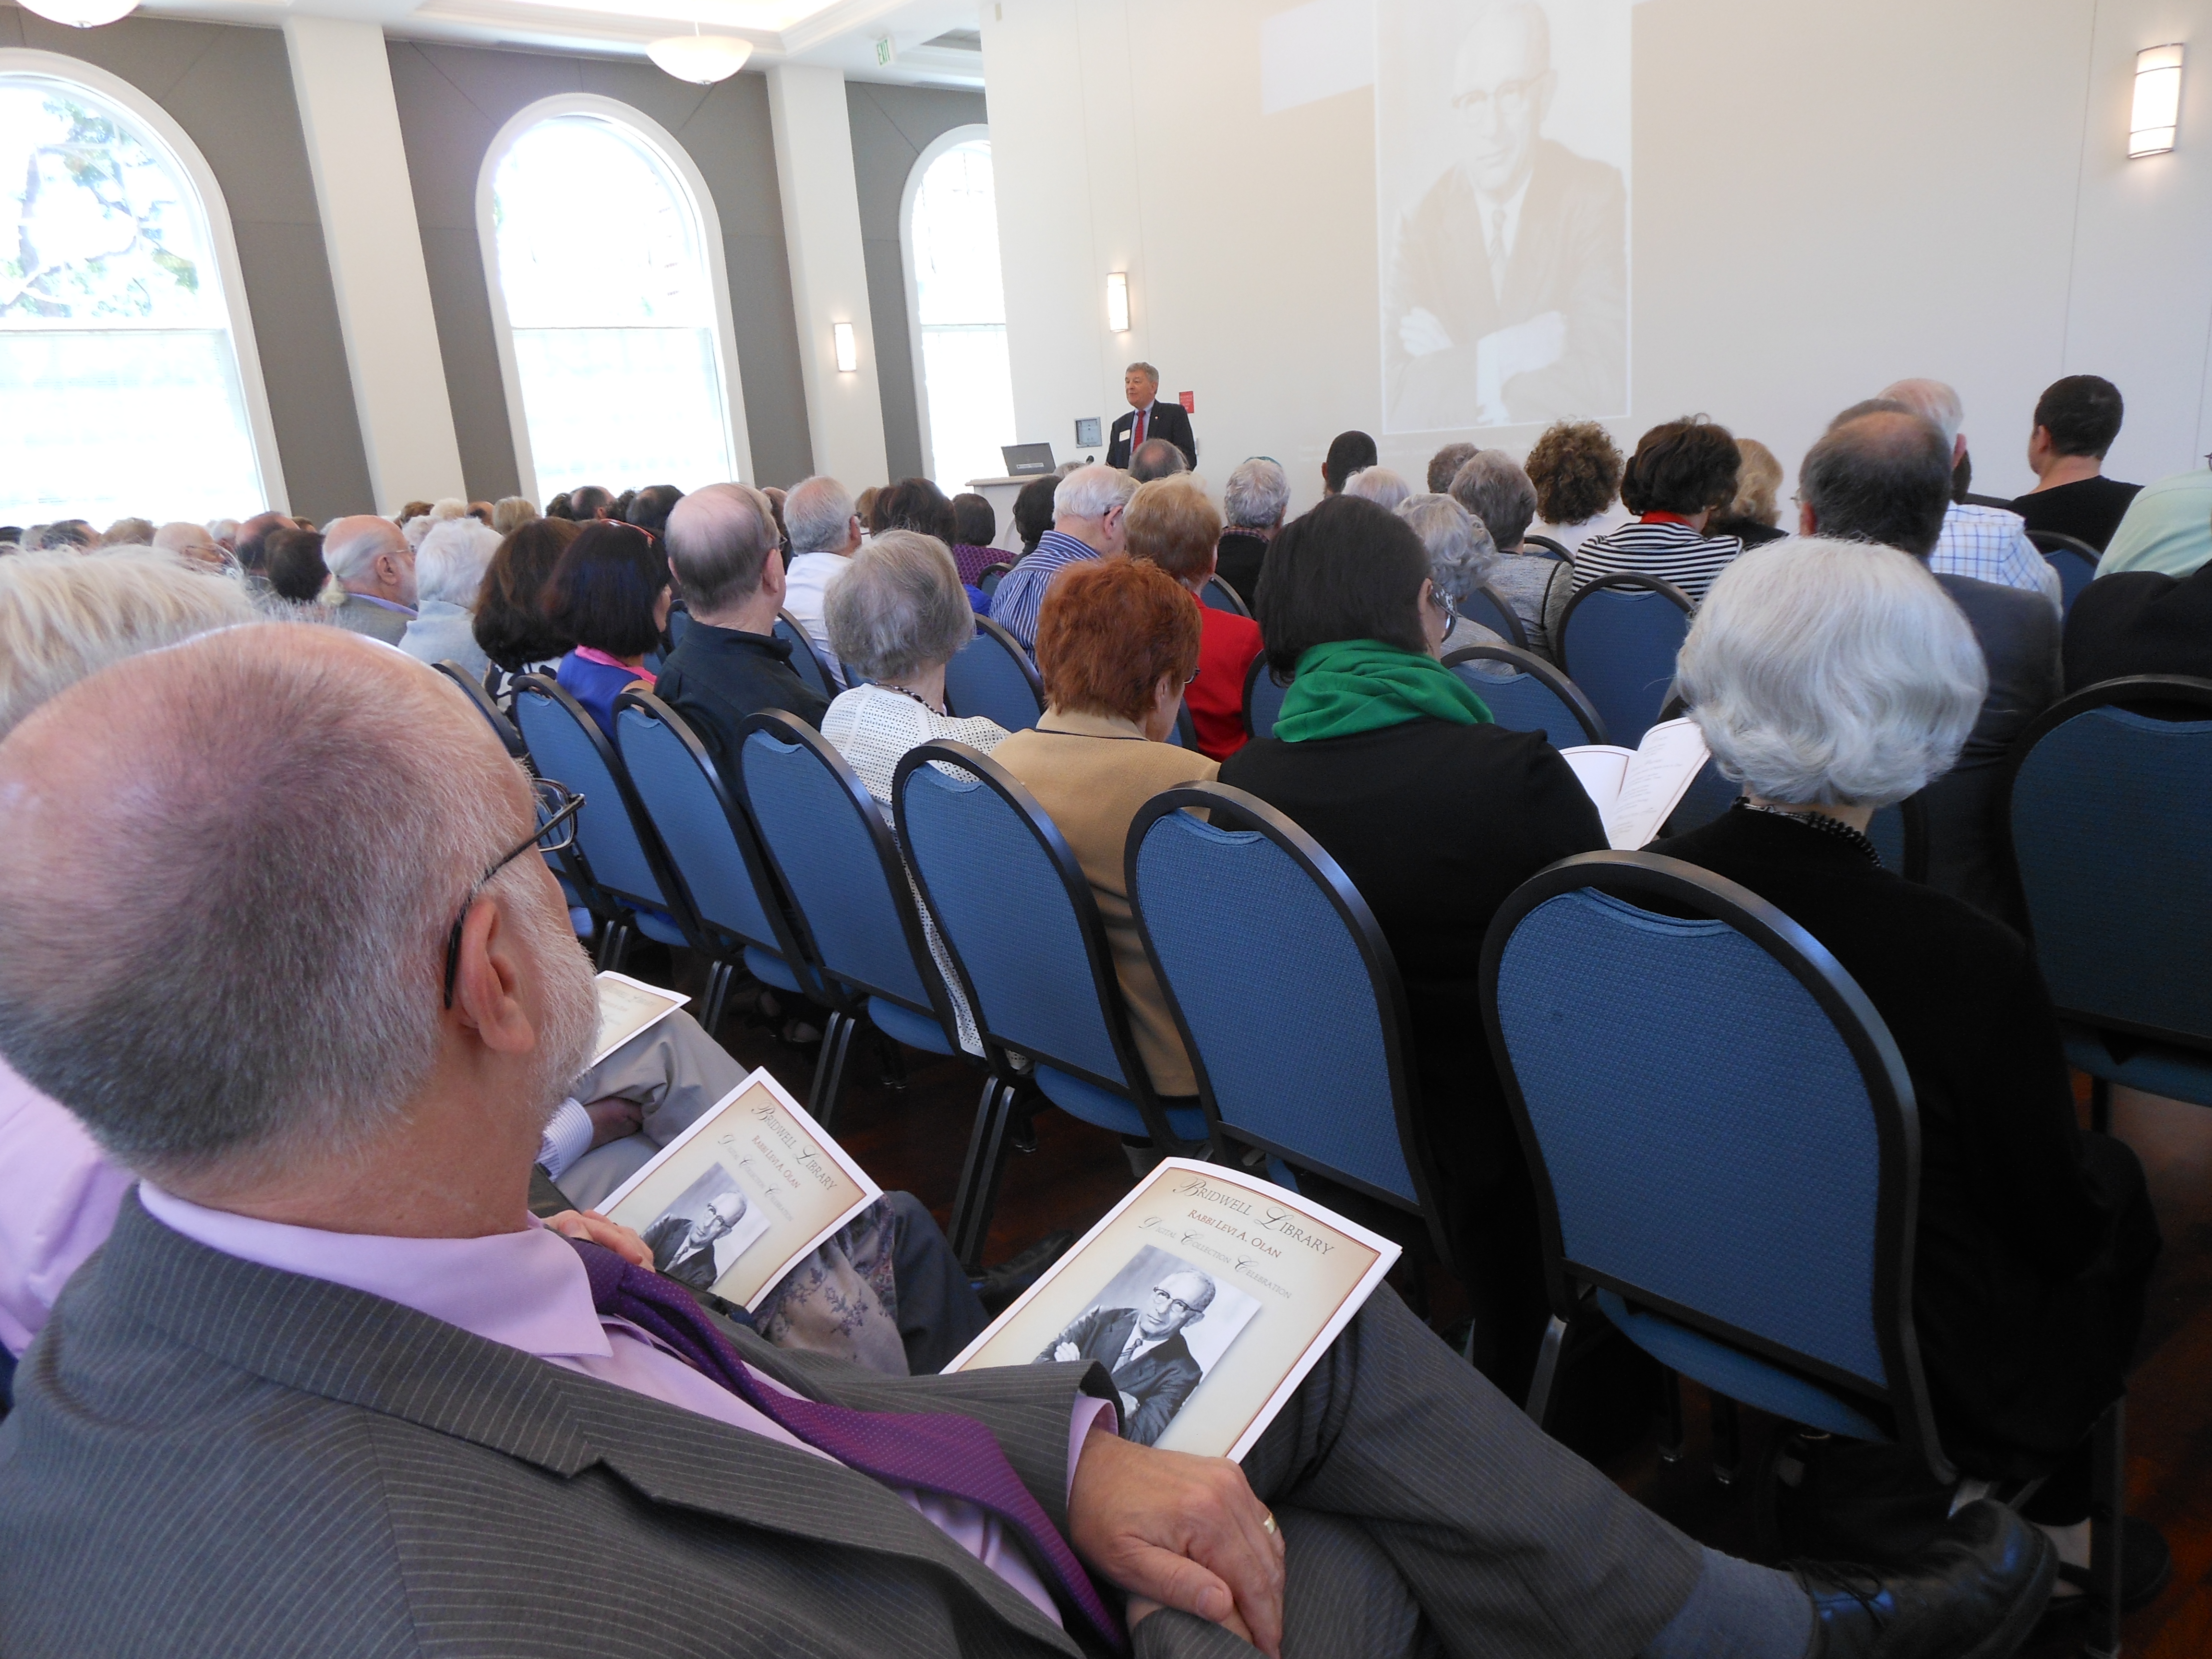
[927,1451]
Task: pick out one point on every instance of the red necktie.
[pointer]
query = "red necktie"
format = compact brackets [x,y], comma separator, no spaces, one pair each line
[1139,438]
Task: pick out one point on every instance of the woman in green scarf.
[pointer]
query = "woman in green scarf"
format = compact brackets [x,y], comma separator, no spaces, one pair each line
[1394,764]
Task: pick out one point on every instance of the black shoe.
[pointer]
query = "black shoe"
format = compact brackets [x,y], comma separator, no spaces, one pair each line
[1002,1283]
[1974,1593]
[2146,1569]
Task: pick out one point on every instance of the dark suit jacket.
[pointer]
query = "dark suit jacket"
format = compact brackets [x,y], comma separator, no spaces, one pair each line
[2018,632]
[1159,1379]
[1239,560]
[695,1269]
[2140,622]
[718,676]
[212,1457]
[1569,255]
[1169,421]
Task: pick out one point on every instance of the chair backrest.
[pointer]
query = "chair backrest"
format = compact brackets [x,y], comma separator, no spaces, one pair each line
[1533,697]
[714,855]
[2107,795]
[1017,915]
[612,832]
[805,661]
[1183,734]
[1486,608]
[1304,1049]
[679,625]
[1219,595]
[1546,547]
[834,854]
[992,675]
[2074,559]
[986,579]
[1651,1021]
[1617,640]
[1263,698]
[480,700]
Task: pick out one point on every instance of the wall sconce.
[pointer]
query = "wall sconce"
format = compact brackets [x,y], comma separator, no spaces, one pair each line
[2158,102]
[848,349]
[1117,302]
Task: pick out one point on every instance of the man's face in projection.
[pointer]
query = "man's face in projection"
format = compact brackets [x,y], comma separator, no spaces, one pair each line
[1501,87]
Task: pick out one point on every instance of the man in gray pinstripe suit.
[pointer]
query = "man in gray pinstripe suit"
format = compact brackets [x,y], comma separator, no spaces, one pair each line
[328,1391]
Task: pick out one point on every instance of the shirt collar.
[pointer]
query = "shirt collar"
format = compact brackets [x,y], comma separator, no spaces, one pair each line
[371,598]
[524,1289]
[1067,546]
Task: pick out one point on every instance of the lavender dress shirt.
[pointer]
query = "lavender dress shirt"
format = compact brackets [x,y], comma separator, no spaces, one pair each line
[527,1290]
[58,1195]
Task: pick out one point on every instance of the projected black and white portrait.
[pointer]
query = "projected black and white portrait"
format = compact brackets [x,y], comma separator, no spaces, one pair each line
[1501,156]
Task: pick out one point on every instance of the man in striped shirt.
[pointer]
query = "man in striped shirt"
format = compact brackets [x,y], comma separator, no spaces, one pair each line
[1086,524]
[1986,544]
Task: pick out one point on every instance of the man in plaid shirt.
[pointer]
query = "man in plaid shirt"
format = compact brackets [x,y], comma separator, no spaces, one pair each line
[1988,543]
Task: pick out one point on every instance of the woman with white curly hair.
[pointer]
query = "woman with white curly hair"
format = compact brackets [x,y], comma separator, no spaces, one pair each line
[1832,678]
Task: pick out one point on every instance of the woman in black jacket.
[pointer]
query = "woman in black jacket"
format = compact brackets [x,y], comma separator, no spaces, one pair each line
[1831,679]
[1388,760]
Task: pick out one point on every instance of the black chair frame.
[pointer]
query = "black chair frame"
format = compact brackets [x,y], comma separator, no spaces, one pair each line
[814,671]
[1516,631]
[725,951]
[1633,582]
[481,700]
[1252,679]
[1135,1084]
[1547,548]
[1529,663]
[2054,541]
[1674,888]
[1218,588]
[985,582]
[1012,647]
[1231,807]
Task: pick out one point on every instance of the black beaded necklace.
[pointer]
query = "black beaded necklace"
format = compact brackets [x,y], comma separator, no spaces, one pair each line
[1813,818]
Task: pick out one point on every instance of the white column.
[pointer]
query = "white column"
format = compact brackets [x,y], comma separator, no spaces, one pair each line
[342,81]
[829,271]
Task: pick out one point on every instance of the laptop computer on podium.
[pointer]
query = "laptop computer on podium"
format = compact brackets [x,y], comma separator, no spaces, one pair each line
[1027,461]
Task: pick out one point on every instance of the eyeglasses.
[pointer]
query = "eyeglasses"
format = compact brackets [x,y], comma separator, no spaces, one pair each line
[1512,97]
[558,806]
[1445,603]
[1175,1304]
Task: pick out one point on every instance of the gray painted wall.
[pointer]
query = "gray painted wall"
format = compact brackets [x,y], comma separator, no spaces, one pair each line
[230,88]
[891,126]
[453,102]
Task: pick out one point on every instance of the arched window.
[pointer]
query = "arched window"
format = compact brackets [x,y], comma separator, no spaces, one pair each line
[610,306]
[957,301]
[128,382]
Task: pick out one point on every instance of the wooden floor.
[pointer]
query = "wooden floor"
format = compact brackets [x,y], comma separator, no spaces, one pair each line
[914,1137]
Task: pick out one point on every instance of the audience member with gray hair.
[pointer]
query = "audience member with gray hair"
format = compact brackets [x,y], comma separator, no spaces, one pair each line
[819,516]
[1156,457]
[1881,473]
[1832,677]
[897,616]
[449,572]
[1253,503]
[510,513]
[1087,508]
[1444,465]
[1379,484]
[1987,542]
[194,543]
[128,533]
[1461,556]
[374,562]
[1492,486]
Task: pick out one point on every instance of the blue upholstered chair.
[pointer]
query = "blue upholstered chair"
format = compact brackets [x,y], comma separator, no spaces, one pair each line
[1486,609]
[629,884]
[2107,795]
[1220,596]
[1304,1052]
[714,855]
[986,579]
[992,675]
[1618,638]
[857,923]
[805,661]
[1533,697]
[1018,919]
[1545,547]
[2075,561]
[1263,698]
[1648,1017]
[480,700]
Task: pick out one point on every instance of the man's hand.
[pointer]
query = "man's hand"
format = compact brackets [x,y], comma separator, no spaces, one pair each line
[1179,1531]
[595,1229]
[613,1118]
[1067,1351]
[1422,334]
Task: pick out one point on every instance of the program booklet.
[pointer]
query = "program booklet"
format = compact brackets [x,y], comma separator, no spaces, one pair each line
[1208,1293]
[628,1006]
[732,1203]
[1636,789]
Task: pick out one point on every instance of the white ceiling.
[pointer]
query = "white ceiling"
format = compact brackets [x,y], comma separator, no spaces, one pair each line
[841,33]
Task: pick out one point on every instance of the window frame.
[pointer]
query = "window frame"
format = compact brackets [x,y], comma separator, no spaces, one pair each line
[951,139]
[164,131]
[672,155]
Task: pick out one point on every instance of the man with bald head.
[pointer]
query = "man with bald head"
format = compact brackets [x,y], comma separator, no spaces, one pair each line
[1985,542]
[373,562]
[1507,295]
[726,551]
[192,541]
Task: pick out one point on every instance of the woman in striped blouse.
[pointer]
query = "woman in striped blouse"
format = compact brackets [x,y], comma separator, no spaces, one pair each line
[1681,474]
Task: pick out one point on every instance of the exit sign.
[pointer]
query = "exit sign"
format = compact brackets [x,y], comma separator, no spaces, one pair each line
[885,51]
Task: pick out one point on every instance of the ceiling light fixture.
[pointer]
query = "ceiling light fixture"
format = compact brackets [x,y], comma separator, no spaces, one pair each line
[2158,101]
[80,14]
[700,59]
